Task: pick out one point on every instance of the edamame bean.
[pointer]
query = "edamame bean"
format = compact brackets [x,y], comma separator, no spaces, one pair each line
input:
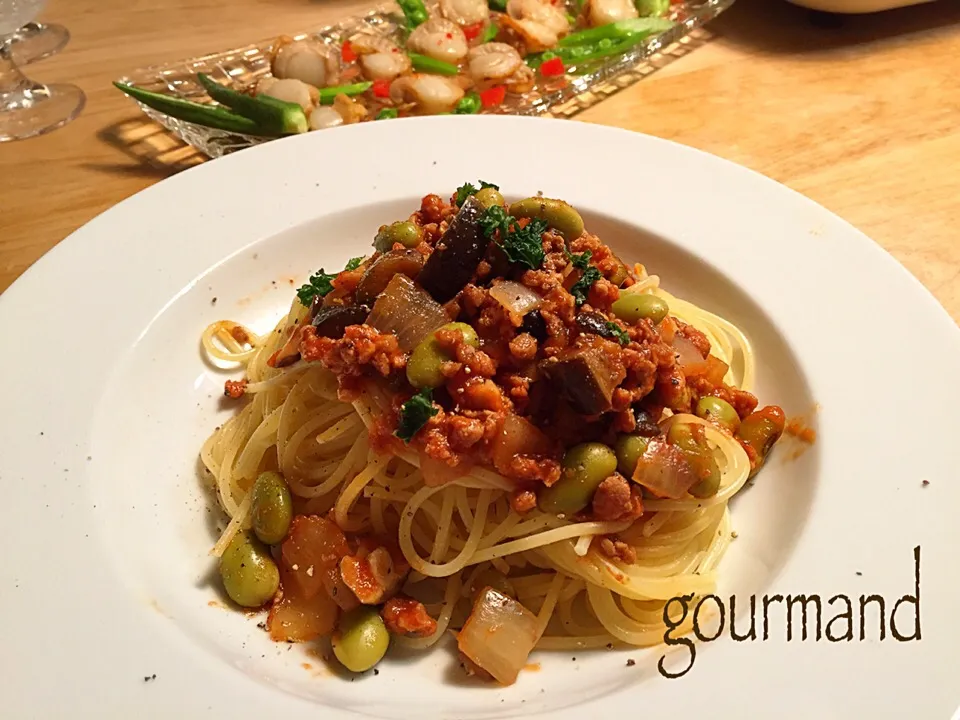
[488,197]
[361,640]
[249,574]
[761,430]
[404,232]
[629,449]
[701,459]
[719,412]
[559,215]
[633,307]
[585,466]
[423,367]
[272,508]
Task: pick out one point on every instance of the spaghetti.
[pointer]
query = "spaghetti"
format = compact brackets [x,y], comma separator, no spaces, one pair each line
[472,525]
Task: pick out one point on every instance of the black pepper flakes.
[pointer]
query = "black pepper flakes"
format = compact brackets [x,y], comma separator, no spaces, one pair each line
[925,483]
[859,574]
[631,662]
[213,301]
[148,678]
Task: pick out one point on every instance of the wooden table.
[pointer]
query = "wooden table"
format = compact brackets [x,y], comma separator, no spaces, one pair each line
[862,115]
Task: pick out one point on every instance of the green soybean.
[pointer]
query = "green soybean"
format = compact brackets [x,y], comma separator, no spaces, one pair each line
[629,449]
[423,367]
[361,640]
[633,307]
[272,508]
[249,574]
[719,412]
[559,215]
[585,466]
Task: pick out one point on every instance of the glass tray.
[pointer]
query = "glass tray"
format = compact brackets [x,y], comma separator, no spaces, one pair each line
[561,97]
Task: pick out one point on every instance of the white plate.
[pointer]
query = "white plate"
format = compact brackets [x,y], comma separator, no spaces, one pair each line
[105,607]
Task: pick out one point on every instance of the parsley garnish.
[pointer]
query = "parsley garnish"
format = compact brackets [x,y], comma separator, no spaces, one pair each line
[468,189]
[321,283]
[495,218]
[582,286]
[522,245]
[616,331]
[581,261]
[414,414]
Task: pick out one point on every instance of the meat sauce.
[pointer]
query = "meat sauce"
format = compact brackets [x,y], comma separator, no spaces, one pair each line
[569,368]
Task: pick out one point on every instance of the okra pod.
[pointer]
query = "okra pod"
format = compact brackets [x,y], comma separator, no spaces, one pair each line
[207,115]
[277,115]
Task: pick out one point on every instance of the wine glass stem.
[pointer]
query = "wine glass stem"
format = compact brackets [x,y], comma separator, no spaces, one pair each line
[11,79]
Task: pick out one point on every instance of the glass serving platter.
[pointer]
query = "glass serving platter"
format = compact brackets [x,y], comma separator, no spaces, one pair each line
[561,97]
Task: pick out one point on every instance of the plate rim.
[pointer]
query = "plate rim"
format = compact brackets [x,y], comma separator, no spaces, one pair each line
[50,265]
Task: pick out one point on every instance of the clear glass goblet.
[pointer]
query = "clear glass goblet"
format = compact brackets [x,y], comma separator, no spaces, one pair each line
[35,41]
[29,108]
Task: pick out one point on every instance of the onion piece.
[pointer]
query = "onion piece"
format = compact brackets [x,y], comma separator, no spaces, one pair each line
[437,472]
[516,299]
[686,351]
[517,436]
[310,560]
[499,635]
[296,618]
[407,311]
[713,369]
[664,471]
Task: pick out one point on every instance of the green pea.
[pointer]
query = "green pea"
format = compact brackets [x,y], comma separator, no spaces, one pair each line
[629,450]
[633,307]
[404,232]
[700,457]
[719,412]
[585,466]
[469,105]
[488,197]
[423,367]
[361,640]
[559,215]
[272,508]
[249,574]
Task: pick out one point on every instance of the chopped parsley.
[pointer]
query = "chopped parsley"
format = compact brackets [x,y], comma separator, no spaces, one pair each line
[523,245]
[321,283]
[582,286]
[414,414]
[495,218]
[616,331]
[468,189]
[581,260]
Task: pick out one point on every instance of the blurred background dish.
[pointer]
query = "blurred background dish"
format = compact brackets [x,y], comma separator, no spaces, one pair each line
[856,6]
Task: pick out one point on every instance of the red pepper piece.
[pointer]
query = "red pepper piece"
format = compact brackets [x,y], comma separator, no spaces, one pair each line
[472,32]
[381,88]
[552,68]
[493,96]
[347,53]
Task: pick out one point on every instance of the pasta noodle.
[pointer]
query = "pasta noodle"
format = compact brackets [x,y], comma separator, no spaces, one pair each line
[325,454]
[504,491]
